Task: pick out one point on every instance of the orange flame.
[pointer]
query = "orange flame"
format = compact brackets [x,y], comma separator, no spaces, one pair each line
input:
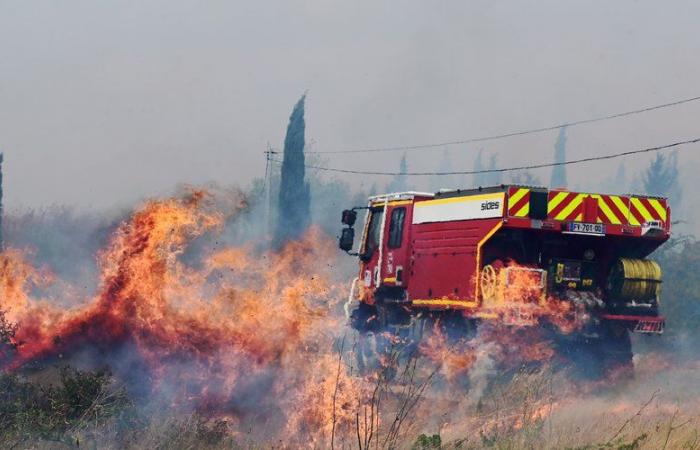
[210,334]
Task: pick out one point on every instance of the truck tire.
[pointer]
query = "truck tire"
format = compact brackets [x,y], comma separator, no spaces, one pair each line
[608,356]
[375,341]
[616,353]
[364,318]
[388,336]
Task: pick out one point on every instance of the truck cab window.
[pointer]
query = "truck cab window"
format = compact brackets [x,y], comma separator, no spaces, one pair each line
[396,227]
[374,231]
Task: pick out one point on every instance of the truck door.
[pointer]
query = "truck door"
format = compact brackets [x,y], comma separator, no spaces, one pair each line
[395,246]
[370,253]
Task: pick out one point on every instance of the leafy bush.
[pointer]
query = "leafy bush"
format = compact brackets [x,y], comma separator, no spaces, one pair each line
[680,291]
[7,339]
[425,442]
[31,411]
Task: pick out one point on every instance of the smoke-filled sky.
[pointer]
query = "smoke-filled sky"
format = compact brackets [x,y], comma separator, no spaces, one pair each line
[105,102]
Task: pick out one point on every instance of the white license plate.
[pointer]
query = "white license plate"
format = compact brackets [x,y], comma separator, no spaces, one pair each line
[587,228]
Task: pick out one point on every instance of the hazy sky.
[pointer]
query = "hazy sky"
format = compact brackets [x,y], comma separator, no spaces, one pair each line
[104,102]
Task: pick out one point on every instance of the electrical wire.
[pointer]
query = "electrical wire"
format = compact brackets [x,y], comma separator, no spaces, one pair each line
[508,169]
[509,134]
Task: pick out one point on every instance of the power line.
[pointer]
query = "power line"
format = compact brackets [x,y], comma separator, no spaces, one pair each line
[509,134]
[509,169]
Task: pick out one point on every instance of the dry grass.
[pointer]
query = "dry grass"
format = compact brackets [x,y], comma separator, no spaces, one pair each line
[407,405]
[534,410]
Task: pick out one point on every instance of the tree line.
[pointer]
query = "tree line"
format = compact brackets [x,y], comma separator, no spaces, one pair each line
[303,197]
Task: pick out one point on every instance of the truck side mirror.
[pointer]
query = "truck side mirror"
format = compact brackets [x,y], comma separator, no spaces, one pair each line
[347,239]
[349,217]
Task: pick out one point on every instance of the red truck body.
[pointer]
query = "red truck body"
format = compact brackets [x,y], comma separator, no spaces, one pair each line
[439,251]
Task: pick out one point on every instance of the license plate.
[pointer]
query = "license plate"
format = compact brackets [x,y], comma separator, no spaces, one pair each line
[587,228]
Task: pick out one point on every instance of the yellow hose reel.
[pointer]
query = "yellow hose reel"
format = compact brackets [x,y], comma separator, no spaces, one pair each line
[635,279]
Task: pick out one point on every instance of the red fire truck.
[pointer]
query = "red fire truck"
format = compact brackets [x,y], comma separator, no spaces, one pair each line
[508,253]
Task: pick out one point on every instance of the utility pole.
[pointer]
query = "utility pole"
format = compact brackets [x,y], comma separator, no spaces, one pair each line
[268,188]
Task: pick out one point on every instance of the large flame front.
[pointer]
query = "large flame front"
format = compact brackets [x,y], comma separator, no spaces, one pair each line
[233,327]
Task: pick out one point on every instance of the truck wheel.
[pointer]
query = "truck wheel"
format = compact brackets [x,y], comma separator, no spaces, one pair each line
[366,353]
[375,338]
[458,328]
[389,336]
[616,353]
[365,318]
[607,356]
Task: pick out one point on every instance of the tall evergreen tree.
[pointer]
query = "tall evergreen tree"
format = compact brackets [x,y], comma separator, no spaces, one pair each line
[479,178]
[293,209]
[620,185]
[438,182]
[400,182]
[661,178]
[559,172]
[493,178]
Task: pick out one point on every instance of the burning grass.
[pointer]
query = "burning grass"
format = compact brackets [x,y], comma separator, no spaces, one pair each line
[533,409]
[237,346]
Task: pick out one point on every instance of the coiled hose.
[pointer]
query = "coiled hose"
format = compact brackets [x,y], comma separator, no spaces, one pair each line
[635,279]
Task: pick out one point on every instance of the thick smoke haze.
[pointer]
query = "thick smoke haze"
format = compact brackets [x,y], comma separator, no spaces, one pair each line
[103,104]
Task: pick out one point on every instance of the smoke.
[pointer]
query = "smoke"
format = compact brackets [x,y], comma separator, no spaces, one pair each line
[483,370]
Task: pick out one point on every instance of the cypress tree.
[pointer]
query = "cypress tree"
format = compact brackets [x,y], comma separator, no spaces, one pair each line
[493,178]
[620,181]
[444,181]
[479,178]
[293,208]
[400,182]
[559,172]
[661,178]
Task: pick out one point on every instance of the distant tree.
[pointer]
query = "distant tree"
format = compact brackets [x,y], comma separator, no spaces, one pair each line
[680,291]
[661,177]
[480,178]
[493,178]
[438,182]
[293,208]
[525,178]
[361,194]
[559,172]
[618,183]
[373,190]
[621,179]
[400,182]
[329,196]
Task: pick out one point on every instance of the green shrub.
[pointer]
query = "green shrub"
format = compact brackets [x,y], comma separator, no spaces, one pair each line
[425,442]
[7,339]
[30,410]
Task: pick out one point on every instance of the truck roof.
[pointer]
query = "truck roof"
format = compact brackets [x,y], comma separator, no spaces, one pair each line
[460,192]
[523,206]
[392,197]
[444,193]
